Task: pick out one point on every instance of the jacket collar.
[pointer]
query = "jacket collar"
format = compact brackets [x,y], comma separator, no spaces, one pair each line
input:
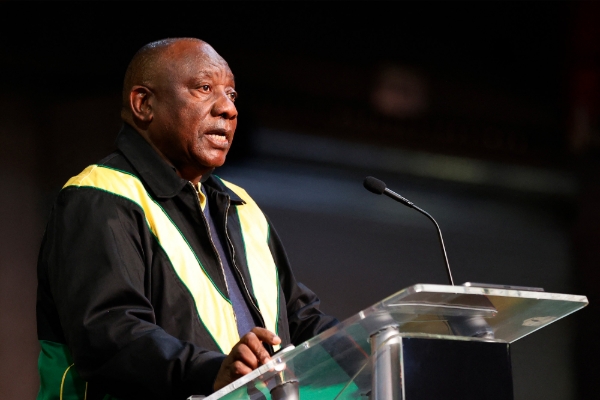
[160,177]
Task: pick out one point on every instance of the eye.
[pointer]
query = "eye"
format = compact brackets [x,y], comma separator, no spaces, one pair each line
[232,96]
[205,88]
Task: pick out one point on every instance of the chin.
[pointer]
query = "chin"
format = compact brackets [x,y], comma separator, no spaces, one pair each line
[212,164]
[213,161]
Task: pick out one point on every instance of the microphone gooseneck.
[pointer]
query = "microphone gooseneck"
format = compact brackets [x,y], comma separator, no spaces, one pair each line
[376,186]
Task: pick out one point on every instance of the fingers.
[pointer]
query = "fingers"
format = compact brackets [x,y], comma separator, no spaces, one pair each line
[246,356]
[250,351]
[266,335]
[254,342]
[239,369]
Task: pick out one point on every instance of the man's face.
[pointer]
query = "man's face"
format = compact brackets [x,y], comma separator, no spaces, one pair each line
[194,115]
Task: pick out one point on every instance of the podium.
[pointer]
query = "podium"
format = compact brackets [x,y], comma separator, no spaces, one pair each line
[424,342]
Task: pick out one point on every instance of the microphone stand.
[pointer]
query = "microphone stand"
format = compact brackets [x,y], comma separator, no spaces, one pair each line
[393,195]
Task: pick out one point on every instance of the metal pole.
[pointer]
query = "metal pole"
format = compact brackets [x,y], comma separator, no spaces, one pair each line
[385,352]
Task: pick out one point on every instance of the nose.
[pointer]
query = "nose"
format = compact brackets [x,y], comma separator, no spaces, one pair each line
[224,107]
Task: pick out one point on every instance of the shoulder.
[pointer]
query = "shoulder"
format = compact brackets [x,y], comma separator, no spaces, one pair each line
[110,174]
[102,187]
[114,161]
[89,208]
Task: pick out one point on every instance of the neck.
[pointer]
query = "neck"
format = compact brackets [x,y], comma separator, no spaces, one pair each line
[188,174]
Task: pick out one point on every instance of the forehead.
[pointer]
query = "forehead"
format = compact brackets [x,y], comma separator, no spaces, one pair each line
[198,60]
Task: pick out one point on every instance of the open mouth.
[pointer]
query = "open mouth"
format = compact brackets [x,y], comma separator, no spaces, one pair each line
[217,137]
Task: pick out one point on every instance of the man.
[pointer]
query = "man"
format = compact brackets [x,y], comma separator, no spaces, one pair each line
[156,278]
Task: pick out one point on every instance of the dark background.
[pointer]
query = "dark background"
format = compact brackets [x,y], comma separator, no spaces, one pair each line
[483,113]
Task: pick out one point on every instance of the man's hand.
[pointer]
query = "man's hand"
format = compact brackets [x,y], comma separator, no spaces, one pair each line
[247,355]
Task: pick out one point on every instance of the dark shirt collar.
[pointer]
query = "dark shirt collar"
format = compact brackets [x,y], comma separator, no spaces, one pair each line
[160,177]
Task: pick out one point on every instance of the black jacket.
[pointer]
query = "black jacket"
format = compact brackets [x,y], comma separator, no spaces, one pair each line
[108,293]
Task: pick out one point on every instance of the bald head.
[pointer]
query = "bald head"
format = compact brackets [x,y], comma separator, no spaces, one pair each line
[154,63]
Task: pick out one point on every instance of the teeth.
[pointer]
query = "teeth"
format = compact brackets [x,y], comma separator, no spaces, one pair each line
[218,138]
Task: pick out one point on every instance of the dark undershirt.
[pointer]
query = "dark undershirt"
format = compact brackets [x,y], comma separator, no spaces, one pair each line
[244,319]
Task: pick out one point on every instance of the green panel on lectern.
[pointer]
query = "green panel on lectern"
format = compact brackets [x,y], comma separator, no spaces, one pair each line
[338,363]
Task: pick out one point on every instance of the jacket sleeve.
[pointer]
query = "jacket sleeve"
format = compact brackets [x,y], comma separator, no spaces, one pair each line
[94,260]
[305,319]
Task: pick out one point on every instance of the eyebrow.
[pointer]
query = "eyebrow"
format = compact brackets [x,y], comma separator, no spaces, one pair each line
[209,74]
[204,73]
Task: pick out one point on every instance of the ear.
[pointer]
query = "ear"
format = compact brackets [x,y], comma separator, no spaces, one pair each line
[140,103]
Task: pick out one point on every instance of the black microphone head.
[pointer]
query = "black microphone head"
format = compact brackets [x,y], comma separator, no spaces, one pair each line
[374,185]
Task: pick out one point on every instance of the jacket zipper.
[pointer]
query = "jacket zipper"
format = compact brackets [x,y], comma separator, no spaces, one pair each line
[262,320]
[212,243]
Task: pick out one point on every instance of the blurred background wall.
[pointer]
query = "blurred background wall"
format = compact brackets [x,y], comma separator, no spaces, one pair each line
[485,114]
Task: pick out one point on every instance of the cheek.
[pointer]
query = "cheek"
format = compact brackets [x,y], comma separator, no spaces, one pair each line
[167,123]
[193,119]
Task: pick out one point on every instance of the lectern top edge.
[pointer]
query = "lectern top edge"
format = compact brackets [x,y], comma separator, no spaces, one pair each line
[489,291]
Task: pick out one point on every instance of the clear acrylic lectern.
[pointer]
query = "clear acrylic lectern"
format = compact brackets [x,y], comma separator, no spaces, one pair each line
[424,342]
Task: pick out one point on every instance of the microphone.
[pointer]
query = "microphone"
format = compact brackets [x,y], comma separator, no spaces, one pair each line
[376,186]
